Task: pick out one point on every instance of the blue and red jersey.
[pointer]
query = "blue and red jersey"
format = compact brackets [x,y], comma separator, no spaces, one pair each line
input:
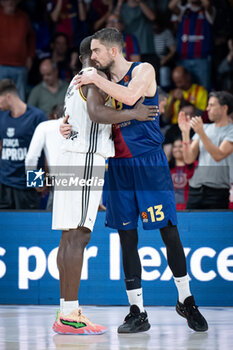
[134,138]
[194,37]
[130,46]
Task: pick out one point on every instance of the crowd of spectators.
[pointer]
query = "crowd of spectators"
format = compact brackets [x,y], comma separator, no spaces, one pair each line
[189,43]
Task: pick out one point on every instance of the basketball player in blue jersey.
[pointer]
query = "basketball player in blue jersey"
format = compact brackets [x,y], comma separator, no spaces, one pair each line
[139,179]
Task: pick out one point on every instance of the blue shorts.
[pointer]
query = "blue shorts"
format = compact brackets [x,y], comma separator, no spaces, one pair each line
[140,186]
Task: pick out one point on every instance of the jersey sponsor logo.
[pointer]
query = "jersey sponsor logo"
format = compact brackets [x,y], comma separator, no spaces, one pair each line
[35,178]
[10,132]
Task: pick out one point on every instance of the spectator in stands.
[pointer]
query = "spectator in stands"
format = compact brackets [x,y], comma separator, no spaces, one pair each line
[185,90]
[17,124]
[161,6]
[17,43]
[138,17]
[131,49]
[163,96]
[225,69]
[98,13]
[46,137]
[65,60]
[210,184]
[40,22]
[181,173]
[69,18]
[51,90]
[173,132]
[194,37]
[165,49]
[222,31]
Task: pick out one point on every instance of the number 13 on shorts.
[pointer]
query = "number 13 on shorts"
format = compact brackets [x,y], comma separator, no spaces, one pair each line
[155,213]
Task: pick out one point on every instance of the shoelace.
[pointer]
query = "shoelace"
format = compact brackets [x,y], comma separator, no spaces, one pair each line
[83,318]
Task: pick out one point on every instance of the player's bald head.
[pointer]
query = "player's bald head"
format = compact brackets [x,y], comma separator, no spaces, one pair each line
[85,47]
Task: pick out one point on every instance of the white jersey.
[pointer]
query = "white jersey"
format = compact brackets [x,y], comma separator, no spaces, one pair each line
[86,136]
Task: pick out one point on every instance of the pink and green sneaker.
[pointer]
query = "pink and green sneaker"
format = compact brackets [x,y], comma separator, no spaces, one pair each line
[76,323]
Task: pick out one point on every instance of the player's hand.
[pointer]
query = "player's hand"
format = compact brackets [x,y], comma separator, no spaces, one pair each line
[184,122]
[65,128]
[87,77]
[197,125]
[144,112]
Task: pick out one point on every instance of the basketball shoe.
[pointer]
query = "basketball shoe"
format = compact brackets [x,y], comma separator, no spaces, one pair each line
[76,323]
[135,321]
[193,316]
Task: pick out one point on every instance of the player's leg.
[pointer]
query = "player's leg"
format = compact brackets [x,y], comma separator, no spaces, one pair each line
[176,260]
[136,320]
[74,212]
[70,260]
[122,214]
[158,211]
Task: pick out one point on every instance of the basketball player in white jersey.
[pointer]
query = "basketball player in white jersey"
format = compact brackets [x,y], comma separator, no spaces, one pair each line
[74,211]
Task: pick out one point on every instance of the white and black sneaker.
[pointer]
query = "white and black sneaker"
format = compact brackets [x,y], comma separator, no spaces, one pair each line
[193,316]
[135,321]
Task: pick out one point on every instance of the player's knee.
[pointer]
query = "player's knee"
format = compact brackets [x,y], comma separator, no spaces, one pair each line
[170,235]
[128,238]
[81,238]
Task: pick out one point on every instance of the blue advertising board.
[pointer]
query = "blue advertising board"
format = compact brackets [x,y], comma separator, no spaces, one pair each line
[29,275]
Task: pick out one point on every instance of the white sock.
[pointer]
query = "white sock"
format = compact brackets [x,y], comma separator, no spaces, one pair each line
[69,306]
[61,303]
[135,298]
[182,285]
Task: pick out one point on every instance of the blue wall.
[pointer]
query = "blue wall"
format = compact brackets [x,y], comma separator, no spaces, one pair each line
[28,273]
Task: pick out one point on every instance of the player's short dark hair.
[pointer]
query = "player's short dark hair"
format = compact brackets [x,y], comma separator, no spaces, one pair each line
[224,98]
[8,86]
[85,47]
[109,37]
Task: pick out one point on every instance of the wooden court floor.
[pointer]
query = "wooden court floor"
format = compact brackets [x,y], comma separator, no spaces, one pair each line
[29,328]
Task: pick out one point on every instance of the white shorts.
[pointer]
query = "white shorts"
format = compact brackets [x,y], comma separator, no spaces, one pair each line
[76,205]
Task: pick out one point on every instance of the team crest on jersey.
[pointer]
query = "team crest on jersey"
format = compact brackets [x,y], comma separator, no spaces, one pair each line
[144,216]
[10,132]
[179,181]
